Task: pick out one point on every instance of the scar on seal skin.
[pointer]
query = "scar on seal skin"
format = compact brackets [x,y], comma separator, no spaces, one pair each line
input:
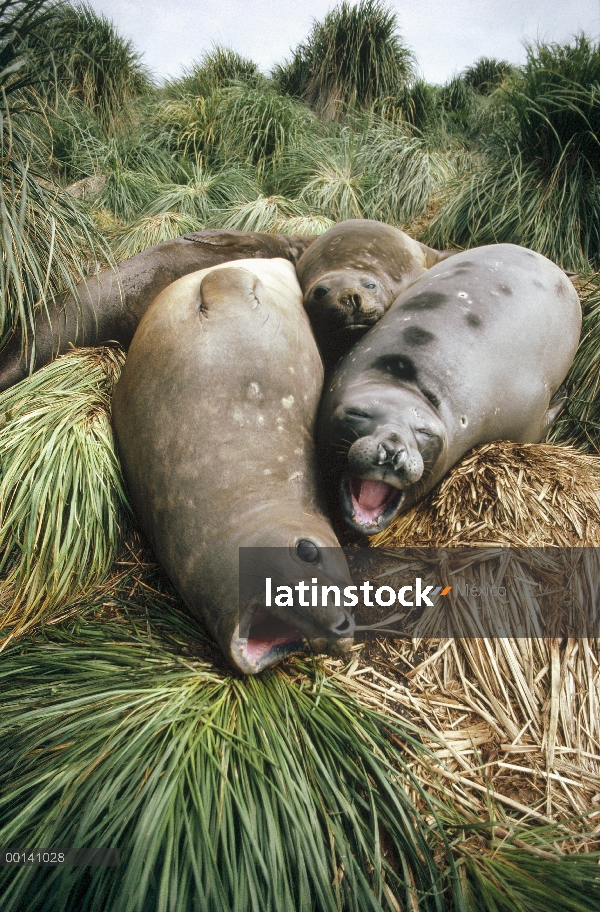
[475,350]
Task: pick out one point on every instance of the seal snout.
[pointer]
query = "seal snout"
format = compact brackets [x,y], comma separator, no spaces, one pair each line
[388,451]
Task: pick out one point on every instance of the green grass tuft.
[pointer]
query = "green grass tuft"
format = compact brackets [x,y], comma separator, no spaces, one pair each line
[539,184]
[62,504]
[89,59]
[228,794]
[487,73]
[350,59]
[216,69]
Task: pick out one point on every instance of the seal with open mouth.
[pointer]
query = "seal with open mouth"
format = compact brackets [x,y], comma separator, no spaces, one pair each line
[214,416]
[474,351]
[351,274]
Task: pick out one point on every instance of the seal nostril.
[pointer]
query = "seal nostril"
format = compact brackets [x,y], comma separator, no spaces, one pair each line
[343,626]
[382,454]
[400,458]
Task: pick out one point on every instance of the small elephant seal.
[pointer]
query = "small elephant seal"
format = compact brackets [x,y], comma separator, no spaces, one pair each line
[351,274]
[214,416]
[109,306]
[474,351]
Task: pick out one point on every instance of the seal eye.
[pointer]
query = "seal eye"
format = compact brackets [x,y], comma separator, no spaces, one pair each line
[319,293]
[370,285]
[307,551]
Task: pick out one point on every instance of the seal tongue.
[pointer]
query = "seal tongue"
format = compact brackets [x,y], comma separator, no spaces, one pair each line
[369,498]
[372,494]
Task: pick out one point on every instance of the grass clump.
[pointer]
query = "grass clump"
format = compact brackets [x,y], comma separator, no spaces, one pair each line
[267,793]
[46,236]
[539,184]
[63,507]
[216,69]
[579,423]
[350,59]
[486,74]
[90,60]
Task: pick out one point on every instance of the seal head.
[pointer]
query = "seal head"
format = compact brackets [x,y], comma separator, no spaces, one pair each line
[351,275]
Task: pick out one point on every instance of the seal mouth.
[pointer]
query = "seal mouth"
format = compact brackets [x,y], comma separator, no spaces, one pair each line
[369,506]
[269,640]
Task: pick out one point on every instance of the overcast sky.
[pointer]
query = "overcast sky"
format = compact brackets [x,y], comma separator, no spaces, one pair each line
[446,35]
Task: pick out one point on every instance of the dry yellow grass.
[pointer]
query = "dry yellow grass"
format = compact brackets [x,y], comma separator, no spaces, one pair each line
[504,493]
[519,718]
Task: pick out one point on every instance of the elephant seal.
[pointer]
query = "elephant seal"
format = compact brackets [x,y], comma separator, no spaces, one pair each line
[108,307]
[214,416]
[351,274]
[474,351]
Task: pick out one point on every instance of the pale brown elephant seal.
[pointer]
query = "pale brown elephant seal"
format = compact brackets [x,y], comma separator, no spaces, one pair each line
[350,276]
[474,351]
[214,416]
[109,306]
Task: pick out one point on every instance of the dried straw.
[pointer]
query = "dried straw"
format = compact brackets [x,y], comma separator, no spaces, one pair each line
[503,493]
[519,718]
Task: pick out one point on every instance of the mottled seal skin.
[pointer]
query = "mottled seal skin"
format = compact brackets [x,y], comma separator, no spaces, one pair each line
[109,306]
[351,275]
[214,416]
[474,351]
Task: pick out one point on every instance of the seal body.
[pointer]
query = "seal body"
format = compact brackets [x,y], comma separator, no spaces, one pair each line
[109,306]
[474,351]
[214,416]
[350,276]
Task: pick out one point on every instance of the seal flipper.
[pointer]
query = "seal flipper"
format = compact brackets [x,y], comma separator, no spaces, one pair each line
[224,287]
[557,404]
[433,256]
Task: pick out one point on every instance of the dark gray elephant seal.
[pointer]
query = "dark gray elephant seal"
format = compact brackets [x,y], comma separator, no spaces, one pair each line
[109,306]
[474,351]
[214,416]
[350,276]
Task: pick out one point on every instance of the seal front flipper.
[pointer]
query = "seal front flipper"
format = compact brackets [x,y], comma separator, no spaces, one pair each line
[433,256]
[557,404]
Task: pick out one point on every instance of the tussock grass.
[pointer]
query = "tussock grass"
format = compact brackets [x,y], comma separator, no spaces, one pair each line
[258,124]
[370,170]
[216,69]
[350,59]
[89,59]
[202,193]
[62,505]
[277,792]
[540,183]
[268,213]
[149,230]
[191,124]
[529,495]
[486,73]
[46,237]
